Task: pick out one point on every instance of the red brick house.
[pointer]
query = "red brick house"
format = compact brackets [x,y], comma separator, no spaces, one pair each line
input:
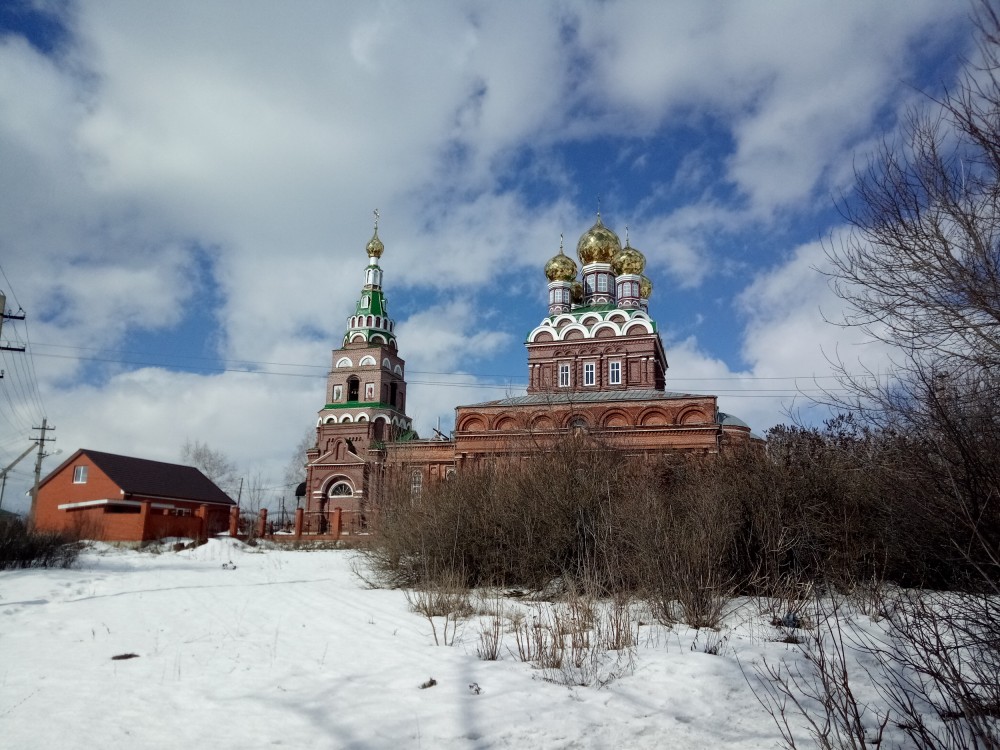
[114,498]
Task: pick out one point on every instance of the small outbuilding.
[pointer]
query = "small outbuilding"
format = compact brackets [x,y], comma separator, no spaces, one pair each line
[113,498]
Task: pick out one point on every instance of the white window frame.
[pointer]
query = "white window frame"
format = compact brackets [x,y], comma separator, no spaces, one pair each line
[590,373]
[615,372]
[416,483]
[602,283]
[80,474]
[564,375]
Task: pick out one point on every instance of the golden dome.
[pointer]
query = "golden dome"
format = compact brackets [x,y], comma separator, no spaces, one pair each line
[629,260]
[598,244]
[375,247]
[576,293]
[645,287]
[561,267]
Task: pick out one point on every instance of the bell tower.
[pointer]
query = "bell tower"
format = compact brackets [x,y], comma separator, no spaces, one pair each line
[365,406]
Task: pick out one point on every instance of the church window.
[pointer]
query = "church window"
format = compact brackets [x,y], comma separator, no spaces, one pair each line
[366,301]
[79,475]
[369,321]
[352,389]
[341,489]
[378,322]
[602,283]
[615,373]
[590,284]
[563,375]
[416,483]
[589,373]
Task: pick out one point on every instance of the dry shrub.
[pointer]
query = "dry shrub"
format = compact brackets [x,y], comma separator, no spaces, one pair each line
[21,548]
[444,597]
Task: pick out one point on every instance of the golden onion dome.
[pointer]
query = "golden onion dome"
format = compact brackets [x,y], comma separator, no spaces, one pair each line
[598,244]
[561,267]
[576,293]
[375,247]
[629,260]
[645,287]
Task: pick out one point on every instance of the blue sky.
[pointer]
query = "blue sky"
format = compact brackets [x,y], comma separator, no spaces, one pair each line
[188,192]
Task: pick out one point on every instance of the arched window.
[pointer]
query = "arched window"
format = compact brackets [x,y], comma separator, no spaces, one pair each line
[341,489]
[352,388]
[416,483]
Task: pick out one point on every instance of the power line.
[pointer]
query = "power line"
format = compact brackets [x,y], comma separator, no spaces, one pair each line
[247,366]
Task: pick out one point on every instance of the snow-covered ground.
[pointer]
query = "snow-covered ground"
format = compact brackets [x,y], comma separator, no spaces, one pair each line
[246,648]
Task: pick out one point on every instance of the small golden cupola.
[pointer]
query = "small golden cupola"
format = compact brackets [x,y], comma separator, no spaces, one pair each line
[645,290]
[561,273]
[628,266]
[375,247]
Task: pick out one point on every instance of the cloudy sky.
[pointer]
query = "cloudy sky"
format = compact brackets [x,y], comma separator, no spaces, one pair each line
[188,190]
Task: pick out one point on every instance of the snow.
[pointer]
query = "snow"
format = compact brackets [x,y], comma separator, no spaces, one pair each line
[243,647]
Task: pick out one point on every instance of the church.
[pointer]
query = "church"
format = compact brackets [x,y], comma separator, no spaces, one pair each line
[596,366]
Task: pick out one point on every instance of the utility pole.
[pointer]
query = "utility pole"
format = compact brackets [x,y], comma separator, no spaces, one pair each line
[42,440]
[4,315]
[5,472]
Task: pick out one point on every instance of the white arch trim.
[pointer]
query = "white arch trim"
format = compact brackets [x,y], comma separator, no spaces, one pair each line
[644,323]
[344,362]
[546,328]
[607,324]
[366,360]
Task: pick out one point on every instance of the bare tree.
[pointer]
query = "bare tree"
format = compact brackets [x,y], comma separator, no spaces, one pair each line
[213,463]
[921,270]
[295,471]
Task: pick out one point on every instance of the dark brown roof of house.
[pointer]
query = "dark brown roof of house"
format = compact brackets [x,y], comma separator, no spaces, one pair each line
[140,476]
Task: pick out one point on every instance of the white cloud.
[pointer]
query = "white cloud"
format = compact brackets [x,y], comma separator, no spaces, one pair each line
[220,162]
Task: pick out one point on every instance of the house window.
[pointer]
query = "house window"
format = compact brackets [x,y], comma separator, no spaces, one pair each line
[588,373]
[615,373]
[416,483]
[79,475]
[563,375]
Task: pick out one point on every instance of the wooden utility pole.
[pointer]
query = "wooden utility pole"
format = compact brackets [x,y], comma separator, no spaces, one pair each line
[42,440]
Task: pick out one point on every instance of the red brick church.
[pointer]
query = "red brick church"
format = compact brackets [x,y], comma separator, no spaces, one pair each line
[596,364]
